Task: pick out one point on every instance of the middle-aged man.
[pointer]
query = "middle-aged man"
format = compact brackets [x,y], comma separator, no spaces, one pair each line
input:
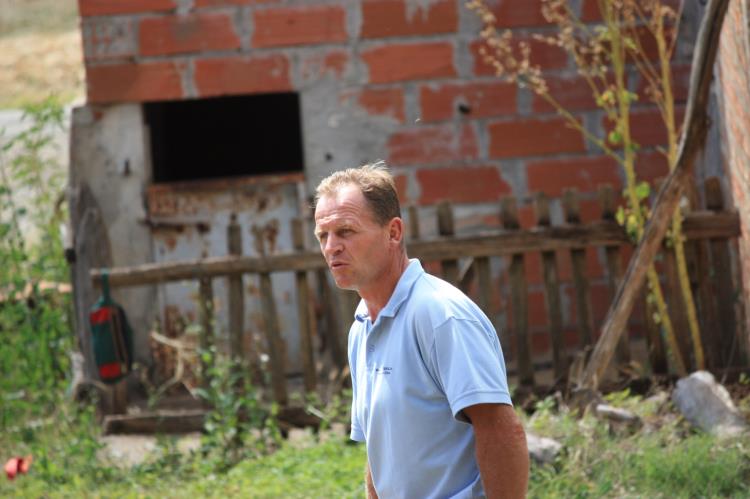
[430,394]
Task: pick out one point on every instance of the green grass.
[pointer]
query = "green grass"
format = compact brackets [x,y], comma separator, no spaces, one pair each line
[668,461]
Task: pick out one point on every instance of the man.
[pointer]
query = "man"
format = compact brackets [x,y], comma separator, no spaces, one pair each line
[430,395]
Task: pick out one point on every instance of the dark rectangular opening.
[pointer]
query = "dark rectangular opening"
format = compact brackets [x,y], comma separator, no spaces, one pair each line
[225,137]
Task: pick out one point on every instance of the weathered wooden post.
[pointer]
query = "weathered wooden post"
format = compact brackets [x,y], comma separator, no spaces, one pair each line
[614,264]
[519,298]
[304,311]
[446,228]
[236,299]
[552,295]
[580,281]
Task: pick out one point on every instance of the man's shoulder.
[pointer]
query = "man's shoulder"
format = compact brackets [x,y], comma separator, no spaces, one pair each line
[436,300]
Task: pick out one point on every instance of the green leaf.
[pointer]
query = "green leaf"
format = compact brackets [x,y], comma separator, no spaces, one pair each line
[614,137]
[620,215]
[642,191]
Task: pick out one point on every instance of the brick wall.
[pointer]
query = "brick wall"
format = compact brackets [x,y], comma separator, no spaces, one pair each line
[403,76]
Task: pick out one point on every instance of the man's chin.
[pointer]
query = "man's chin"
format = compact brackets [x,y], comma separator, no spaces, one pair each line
[343,283]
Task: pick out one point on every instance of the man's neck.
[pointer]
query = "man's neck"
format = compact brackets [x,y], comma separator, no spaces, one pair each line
[376,297]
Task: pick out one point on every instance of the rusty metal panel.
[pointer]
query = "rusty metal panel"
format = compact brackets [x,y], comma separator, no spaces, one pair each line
[189,220]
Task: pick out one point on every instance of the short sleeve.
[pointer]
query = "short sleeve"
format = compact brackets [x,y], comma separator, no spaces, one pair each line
[356,432]
[470,365]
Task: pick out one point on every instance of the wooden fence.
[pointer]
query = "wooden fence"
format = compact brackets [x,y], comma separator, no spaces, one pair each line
[466,260]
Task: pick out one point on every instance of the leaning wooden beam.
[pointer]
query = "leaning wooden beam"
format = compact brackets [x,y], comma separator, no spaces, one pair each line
[697,225]
[692,141]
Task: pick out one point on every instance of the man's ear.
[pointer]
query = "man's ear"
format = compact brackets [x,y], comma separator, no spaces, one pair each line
[396,230]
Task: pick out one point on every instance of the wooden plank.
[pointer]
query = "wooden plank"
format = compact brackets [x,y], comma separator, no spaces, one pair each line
[206,314]
[614,265]
[162,422]
[699,225]
[552,296]
[657,354]
[276,350]
[691,142]
[519,299]
[724,286]
[484,283]
[236,300]
[333,322]
[446,228]
[699,270]
[676,308]
[303,311]
[466,275]
[580,281]
[413,223]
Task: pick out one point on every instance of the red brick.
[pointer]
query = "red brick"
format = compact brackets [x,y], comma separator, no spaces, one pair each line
[242,75]
[571,92]
[383,101]
[308,25]
[533,267]
[461,185]
[402,186]
[317,64]
[647,126]
[133,82]
[599,300]
[109,38]
[114,7]
[583,173]
[422,61]
[590,11]
[384,18]
[336,61]
[212,3]
[537,310]
[536,313]
[526,216]
[590,210]
[651,165]
[533,137]
[517,13]
[440,101]
[542,54]
[680,84]
[430,145]
[186,34]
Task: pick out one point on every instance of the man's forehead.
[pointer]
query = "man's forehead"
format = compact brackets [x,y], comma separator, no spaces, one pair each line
[346,199]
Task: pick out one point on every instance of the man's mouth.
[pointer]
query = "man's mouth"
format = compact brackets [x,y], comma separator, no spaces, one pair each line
[336,265]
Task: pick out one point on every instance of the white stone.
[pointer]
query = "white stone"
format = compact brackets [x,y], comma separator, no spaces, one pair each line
[617,415]
[707,405]
[541,449]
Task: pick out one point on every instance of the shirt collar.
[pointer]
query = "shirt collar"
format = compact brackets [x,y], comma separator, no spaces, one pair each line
[403,288]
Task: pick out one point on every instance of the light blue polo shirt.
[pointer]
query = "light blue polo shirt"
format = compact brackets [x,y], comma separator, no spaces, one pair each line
[430,353]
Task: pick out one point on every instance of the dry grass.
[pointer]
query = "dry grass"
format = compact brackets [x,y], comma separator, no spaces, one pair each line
[40,51]
[24,16]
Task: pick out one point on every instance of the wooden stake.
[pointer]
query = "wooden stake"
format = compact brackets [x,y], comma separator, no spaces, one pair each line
[692,141]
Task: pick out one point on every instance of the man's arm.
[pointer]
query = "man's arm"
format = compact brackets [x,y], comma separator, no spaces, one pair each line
[502,454]
[369,486]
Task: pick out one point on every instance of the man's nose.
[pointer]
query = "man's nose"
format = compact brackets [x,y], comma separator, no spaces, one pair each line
[332,245]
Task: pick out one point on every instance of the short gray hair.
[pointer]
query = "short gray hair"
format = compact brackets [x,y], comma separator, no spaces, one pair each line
[377,186]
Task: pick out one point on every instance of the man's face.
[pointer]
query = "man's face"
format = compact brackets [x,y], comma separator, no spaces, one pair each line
[355,246]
